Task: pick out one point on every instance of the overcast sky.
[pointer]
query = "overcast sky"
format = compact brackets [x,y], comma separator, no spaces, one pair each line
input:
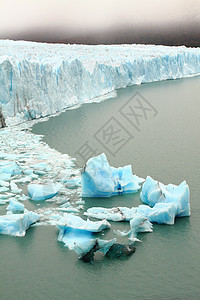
[90,15]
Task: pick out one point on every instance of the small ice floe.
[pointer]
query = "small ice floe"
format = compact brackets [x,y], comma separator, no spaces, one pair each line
[138,224]
[15,206]
[155,192]
[99,179]
[14,188]
[79,235]
[10,167]
[161,213]
[40,192]
[112,214]
[17,224]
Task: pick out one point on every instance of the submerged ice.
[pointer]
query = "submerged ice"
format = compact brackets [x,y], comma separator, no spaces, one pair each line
[33,75]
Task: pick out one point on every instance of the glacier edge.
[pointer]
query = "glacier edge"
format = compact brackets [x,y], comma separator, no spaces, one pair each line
[38,79]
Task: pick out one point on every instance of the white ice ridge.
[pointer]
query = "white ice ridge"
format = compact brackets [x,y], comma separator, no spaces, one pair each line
[38,79]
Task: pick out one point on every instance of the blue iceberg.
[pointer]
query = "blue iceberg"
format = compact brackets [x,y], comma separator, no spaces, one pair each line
[15,206]
[155,192]
[101,180]
[161,213]
[39,192]
[78,235]
[17,224]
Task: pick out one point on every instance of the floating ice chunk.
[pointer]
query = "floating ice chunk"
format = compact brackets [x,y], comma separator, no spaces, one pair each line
[5,177]
[155,192]
[4,189]
[112,214]
[101,180]
[78,223]
[42,192]
[161,213]
[2,202]
[138,224]
[4,183]
[17,224]
[72,182]
[69,209]
[15,206]
[10,167]
[78,235]
[14,188]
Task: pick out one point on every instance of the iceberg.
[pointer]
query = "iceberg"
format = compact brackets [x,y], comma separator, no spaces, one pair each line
[99,179]
[78,235]
[161,213]
[75,222]
[155,192]
[17,224]
[15,206]
[33,75]
[39,192]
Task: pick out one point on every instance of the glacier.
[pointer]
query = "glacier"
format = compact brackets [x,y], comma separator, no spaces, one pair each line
[39,79]
[99,179]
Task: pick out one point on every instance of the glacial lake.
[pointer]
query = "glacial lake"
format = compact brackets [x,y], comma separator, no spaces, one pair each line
[155,128]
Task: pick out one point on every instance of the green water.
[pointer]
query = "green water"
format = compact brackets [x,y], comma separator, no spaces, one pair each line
[166,265]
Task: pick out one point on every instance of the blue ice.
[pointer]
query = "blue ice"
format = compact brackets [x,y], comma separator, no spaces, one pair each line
[10,167]
[40,192]
[15,206]
[155,192]
[99,179]
[79,235]
[17,224]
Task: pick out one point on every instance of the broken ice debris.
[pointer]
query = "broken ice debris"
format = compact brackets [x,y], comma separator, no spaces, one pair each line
[10,167]
[161,213]
[112,214]
[155,192]
[17,224]
[75,222]
[78,234]
[40,192]
[99,179]
[138,224]
[15,206]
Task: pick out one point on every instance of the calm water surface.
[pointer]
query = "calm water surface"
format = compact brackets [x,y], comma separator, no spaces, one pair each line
[166,265]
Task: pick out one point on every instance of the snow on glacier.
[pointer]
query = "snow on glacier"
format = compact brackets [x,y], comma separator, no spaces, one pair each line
[38,79]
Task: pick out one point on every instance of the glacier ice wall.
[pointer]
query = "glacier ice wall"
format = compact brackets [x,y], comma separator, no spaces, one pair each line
[38,79]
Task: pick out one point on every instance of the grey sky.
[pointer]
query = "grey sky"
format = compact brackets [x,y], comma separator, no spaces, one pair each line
[91,15]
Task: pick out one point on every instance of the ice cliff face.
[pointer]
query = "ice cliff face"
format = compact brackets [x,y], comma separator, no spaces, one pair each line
[38,79]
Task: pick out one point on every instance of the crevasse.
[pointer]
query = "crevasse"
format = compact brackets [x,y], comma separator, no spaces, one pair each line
[38,79]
